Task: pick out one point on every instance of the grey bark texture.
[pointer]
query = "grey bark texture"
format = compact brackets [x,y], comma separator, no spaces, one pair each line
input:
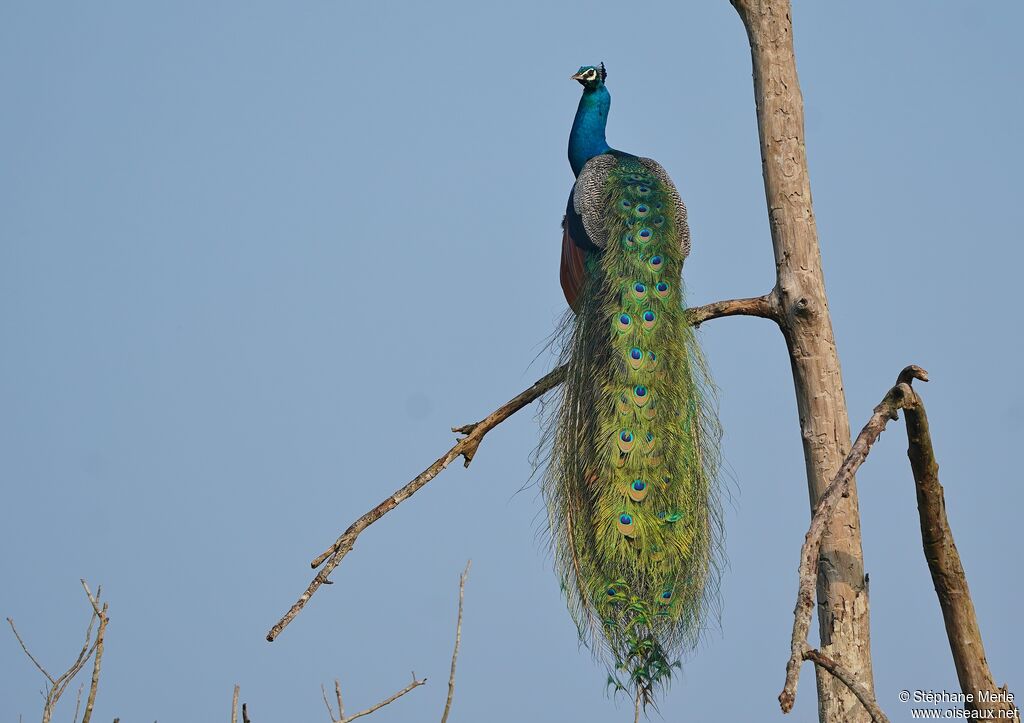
[803,316]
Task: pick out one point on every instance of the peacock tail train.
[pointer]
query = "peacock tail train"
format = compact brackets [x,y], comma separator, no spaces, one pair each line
[630,486]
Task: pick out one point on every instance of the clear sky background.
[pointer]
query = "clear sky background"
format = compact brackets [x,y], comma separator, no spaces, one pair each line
[256,258]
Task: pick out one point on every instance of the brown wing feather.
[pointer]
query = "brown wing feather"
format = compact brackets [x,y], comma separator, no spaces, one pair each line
[572,273]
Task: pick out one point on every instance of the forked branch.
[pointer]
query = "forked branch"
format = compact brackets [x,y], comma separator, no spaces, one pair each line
[342,718]
[55,687]
[466,447]
[976,680]
[886,410]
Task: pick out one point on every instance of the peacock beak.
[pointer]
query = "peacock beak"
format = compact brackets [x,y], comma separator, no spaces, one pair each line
[577,76]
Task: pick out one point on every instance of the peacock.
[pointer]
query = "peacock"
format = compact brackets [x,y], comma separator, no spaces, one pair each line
[630,486]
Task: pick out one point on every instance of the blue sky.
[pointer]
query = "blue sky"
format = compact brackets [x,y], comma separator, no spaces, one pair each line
[257,258]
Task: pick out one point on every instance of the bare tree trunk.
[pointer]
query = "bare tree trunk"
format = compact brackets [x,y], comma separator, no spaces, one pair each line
[804,319]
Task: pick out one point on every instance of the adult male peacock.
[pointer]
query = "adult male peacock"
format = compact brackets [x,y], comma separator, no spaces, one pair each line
[631,482]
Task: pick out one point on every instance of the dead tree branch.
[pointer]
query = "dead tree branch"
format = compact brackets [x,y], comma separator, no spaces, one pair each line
[886,410]
[55,687]
[976,680]
[458,639]
[330,711]
[947,571]
[766,307]
[846,678]
[342,718]
[94,684]
[29,654]
[390,699]
[763,306]
[78,701]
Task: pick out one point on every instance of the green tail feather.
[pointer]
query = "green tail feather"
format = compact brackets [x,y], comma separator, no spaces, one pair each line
[634,512]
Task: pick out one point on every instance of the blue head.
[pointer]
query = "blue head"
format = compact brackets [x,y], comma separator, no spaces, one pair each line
[586,139]
[591,77]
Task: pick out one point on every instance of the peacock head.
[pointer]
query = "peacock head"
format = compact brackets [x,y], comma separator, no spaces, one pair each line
[590,77]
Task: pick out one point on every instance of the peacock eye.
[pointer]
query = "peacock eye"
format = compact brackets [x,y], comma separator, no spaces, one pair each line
[626,436]
[626,524]
[636,357]
[623,322]
[656,262]
[638,490]
[644,235]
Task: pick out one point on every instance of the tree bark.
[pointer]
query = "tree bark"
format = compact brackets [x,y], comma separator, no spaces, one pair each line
[807,328]
[948,575]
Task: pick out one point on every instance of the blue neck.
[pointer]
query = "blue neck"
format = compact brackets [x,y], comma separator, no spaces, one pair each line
[586,139]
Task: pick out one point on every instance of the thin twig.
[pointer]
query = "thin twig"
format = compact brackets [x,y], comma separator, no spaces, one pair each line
[467,446]
[78,701]
[330,711]
[886,410]
[337,694]
[234,705]
[458,639]
[245,713]
[846,678]
[30,656]
[414,684]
